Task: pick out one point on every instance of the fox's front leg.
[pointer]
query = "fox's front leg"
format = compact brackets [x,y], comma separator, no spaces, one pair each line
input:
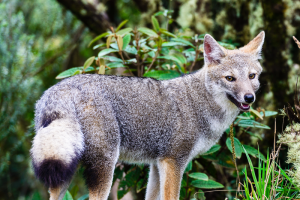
[170,173]
[153,185]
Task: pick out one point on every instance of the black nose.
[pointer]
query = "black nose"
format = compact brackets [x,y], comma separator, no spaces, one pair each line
[249,98]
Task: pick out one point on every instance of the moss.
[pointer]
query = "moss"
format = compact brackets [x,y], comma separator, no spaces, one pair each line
[291,137]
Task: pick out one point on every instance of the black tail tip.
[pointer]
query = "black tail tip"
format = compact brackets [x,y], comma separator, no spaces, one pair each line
[54,173]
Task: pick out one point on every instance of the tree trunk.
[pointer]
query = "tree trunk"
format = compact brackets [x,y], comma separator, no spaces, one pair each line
[88,14]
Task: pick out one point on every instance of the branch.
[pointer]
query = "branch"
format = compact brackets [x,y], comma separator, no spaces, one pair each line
[88,14]
[69,45]
[142,5]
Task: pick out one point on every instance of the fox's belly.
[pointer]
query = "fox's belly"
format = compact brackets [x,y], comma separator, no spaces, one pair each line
[137,156]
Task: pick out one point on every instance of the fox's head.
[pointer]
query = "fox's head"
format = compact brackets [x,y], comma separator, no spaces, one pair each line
[232,75]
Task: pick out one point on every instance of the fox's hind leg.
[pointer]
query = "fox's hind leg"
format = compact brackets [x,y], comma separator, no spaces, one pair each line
[58,192]
[99,161]
[153,186]
[99,176]
[102,143]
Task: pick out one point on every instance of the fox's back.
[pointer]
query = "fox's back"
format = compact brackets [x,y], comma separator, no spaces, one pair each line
[145,114]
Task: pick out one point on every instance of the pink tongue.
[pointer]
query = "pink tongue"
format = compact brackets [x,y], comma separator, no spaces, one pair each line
[245,106]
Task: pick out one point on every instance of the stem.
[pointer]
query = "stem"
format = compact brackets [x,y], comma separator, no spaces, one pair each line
[120,52]
[156,55]
[233,152]
[138,63]
[196,56]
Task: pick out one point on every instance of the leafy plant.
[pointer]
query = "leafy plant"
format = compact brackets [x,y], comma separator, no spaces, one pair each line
[269,180]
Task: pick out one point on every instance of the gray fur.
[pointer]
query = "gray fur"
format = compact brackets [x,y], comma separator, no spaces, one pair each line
[142,120]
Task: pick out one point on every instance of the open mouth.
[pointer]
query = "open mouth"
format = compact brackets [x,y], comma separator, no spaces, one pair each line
[241,106]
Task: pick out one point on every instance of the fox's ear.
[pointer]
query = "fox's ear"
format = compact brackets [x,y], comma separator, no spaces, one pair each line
[255,45]
[213,52]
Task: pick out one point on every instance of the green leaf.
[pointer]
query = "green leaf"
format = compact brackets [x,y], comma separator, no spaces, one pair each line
[120,43]
[108,41]
[255,112]
[182,193]
[243,117]
[252,123]
[200,195]
[164,51]
[68,196]
[199,176]
[36,196]
[148,32]
[126,40]
[133,60]
[210,184]
[112,59]
[115,65]
[170,57]
[151,54]
[162,74]
[172,44]
[213,149]
[165,12]
[269,113]
[88,62]
[227,46]
[181,58]
[182,41]
[124,31]
[74,191]
[101,69]
[155,24]
[164,31]
[225,163]
[142,184]
[84,197]
[130,49]
[237,146]
[77,72]
[254,134]
[106,51]
[121,25]
[99,45]
[98,38]
[253,152]
[189,167]
[159,13]
[128,181]
[71,72]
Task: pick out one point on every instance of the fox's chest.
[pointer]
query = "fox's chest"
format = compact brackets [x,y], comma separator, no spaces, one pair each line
[211,136]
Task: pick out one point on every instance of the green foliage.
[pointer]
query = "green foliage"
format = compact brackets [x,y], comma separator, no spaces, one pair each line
[269,180]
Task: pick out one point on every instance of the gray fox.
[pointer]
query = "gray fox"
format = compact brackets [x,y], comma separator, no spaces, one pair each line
[98,120]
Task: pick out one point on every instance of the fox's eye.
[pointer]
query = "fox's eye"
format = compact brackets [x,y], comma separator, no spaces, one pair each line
[252,76]
[230,78]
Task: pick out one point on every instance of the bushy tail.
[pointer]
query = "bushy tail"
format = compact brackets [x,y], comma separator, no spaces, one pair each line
[56,151]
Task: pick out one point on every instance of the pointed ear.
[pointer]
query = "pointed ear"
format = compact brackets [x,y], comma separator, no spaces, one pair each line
[213,52]
[255,46]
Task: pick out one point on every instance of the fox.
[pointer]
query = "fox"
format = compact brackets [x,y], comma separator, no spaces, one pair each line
[98,120]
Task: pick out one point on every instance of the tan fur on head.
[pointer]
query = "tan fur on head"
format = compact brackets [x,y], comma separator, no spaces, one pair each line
[255,46]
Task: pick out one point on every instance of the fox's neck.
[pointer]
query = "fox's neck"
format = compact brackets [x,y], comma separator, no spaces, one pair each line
[216,108]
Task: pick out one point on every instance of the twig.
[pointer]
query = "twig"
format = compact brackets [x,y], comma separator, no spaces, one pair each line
[156,55]
[297,42]
[233,153]
[120,52]
[137,56]
[196,56]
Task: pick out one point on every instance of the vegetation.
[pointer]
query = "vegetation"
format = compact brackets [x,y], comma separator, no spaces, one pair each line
[44,40]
